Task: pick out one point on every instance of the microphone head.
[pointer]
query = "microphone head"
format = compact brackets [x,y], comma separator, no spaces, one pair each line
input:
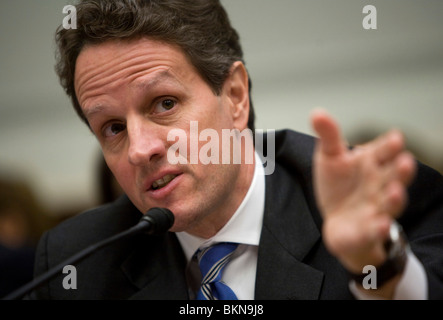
[159,220]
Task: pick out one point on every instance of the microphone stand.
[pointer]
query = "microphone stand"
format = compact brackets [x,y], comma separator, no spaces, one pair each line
[145,224]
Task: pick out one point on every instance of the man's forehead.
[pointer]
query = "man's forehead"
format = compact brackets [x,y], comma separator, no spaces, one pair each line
[143,63]
[94,58]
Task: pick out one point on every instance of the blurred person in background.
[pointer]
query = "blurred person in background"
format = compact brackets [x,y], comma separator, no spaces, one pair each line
[22,222]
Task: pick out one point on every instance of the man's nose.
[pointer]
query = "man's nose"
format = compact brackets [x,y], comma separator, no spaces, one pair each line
[145,143]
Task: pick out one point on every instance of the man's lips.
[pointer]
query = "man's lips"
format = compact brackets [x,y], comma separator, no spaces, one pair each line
[160,180]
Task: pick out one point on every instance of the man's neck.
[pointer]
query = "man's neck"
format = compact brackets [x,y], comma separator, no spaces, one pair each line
[214,222]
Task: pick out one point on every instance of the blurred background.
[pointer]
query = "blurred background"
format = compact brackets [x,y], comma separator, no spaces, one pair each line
[301,54]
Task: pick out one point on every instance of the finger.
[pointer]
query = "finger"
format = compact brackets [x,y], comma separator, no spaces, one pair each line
[405,167]
[388,146]
[394,199]
[328,131]
[394,179]
[401,171]
[396,189]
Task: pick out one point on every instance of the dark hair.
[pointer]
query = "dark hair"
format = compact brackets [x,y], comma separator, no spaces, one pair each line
[108,187]
[201,28]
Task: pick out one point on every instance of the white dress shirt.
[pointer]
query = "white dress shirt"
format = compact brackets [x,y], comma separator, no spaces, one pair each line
[244,228]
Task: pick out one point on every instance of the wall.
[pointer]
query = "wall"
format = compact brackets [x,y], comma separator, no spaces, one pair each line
[300,54]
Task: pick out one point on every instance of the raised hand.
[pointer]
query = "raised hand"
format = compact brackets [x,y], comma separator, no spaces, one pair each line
[359,191]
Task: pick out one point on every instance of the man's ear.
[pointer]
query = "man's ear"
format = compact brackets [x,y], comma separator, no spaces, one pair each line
[236,88]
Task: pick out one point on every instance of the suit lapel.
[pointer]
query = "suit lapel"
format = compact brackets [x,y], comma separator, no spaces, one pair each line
[153,265]
[288,235]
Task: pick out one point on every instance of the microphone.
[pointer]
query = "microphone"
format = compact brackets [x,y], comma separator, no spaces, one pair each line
[155,222]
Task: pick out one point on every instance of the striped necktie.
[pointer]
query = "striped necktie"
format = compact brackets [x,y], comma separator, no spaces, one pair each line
[212,261]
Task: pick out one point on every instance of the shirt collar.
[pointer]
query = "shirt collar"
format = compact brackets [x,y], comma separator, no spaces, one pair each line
[244,226]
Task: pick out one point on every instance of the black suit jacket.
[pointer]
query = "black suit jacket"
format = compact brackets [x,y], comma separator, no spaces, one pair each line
[293,263]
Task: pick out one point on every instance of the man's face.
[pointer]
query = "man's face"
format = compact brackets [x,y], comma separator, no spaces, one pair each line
[133,93]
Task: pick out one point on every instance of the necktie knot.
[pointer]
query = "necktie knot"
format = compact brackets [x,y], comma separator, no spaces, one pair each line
[212,261]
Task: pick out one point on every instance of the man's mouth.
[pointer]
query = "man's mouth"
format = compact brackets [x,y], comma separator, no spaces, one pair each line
[162,182]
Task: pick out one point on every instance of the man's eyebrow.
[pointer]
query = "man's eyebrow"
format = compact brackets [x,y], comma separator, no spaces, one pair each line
[94,110]
[165,75]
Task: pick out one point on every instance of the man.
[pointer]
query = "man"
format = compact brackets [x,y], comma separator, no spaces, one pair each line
[136,71]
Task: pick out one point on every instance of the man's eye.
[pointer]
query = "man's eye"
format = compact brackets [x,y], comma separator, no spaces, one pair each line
[114,129]
[165,105]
